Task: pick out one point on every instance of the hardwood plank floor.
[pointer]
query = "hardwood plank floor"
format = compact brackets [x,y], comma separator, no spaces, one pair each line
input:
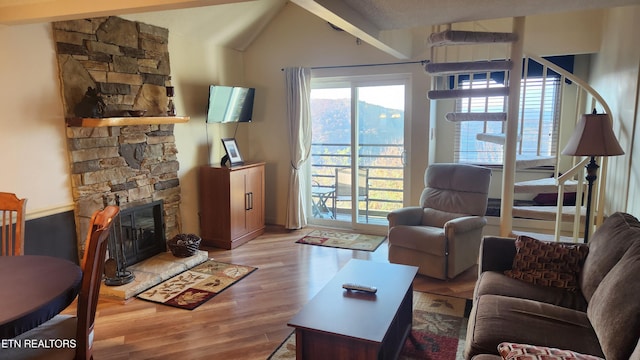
[247,320]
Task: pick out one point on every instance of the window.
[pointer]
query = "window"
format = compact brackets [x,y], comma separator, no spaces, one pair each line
[537,127]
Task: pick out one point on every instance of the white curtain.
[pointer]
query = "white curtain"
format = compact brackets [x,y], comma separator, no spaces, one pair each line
[298,87]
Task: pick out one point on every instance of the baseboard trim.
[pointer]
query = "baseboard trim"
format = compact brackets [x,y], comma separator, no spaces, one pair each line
[40,213]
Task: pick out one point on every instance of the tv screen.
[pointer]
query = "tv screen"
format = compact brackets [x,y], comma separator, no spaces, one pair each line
[230,104]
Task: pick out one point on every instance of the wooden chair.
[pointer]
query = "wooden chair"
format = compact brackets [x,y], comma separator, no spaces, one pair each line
[78,329]
[12,234]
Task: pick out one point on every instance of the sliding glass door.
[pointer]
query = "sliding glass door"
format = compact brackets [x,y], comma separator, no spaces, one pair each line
[357,167]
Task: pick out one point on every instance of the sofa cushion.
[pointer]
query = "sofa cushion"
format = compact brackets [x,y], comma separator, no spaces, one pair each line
[546,263]
[607,245]
[427,239]
[448,187]
[495,319]
[437,218]
[512,351]
[497,283]
[614,309]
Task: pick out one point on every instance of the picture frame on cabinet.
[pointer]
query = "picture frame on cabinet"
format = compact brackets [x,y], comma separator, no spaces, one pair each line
[233,155]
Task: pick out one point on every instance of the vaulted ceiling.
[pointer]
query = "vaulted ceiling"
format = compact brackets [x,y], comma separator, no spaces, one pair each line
[386,24]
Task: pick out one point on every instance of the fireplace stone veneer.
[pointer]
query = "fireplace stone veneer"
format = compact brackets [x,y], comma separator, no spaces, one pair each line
[127,62]
[129,165]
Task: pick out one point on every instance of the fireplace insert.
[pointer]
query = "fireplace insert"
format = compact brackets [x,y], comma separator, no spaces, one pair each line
[138,234]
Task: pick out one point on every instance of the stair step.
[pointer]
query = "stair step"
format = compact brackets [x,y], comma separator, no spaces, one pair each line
[547,213]
[457,37]
[490,116]
[467,93]
[528,162]
[451,68]
[545,185]
[499,139]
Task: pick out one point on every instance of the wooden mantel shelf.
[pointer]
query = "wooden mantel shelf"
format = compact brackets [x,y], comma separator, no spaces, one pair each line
[126,121]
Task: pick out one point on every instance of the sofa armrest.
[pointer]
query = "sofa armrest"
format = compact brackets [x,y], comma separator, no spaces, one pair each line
[411,215]
[496,254]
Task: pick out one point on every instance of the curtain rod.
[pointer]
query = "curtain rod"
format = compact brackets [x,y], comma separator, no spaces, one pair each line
[366,65]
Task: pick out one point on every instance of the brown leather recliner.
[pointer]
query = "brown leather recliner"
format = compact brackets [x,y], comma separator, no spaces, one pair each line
[442,236]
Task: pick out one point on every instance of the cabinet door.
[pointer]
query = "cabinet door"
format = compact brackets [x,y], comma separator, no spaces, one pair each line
[255,190]
[238,203]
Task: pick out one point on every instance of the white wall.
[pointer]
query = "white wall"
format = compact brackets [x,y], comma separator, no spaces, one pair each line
[196,63]
[32,129]
[615,75]
[33,155]
[32,126]
[297,38]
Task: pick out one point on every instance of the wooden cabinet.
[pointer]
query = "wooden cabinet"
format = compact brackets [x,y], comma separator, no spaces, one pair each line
[231,204]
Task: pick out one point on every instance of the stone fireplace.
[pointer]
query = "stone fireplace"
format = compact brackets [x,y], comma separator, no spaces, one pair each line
[129,165]
[128,64]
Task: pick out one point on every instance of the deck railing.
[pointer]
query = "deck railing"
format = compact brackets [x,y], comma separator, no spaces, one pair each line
[385,174]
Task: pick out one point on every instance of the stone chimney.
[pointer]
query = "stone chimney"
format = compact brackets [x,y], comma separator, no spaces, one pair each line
[128,63]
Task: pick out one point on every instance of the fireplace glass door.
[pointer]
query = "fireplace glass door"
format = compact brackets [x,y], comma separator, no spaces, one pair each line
[140,234]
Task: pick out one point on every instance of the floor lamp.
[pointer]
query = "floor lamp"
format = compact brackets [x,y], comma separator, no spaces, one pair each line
[593,136]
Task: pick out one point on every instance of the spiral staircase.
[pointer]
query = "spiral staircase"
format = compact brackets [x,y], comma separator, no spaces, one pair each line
[501,52]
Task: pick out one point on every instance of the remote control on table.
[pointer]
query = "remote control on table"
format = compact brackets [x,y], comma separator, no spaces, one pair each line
[357,287]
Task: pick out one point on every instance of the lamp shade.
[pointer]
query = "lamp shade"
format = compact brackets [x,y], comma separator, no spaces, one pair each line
[593,136]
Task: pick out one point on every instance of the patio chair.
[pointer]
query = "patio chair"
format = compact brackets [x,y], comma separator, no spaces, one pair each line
[343,189]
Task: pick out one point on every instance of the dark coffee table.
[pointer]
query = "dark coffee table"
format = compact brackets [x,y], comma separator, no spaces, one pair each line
[341,324]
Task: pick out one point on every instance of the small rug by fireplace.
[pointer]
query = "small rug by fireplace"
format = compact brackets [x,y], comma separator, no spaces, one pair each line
[343,240]
[195,286]
[439,330]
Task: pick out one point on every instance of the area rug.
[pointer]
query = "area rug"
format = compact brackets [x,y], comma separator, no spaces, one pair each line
[343,240]
[194,287]
[438,332]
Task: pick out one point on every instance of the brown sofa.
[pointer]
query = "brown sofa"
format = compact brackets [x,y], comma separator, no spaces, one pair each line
[601,317]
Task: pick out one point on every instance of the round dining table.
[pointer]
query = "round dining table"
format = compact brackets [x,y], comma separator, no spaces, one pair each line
[34,289]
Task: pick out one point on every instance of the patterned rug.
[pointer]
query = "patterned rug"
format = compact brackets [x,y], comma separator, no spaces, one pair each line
[343,240]
[194,287]
[439,329]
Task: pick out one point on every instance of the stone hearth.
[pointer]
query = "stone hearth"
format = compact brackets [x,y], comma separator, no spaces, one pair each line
[151,272]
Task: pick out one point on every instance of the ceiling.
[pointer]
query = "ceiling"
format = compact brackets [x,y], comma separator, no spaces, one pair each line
[402,14]
[385,24]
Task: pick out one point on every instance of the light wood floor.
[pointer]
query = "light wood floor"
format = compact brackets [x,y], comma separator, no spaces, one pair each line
[247,320]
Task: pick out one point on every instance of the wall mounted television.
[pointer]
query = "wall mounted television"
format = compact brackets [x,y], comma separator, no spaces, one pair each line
[229,104]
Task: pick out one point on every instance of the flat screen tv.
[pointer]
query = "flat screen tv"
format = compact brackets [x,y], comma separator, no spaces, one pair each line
[230,104]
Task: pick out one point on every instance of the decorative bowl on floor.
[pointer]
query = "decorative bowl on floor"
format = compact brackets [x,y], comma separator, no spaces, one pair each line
[184,245]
